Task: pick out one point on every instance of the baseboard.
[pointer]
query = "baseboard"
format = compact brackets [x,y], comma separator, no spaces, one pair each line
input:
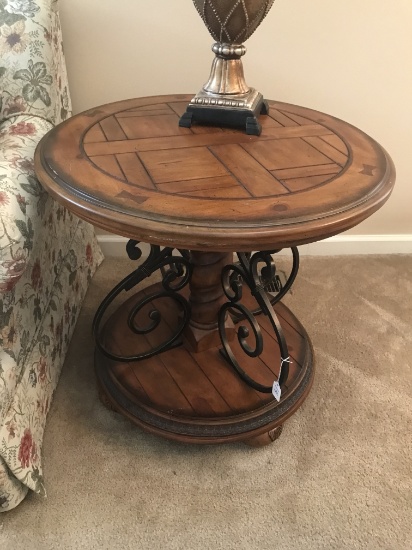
[113,245]
[342,245]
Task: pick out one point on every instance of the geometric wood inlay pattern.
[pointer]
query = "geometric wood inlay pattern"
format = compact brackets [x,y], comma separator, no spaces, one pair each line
[301,154]
[129,168]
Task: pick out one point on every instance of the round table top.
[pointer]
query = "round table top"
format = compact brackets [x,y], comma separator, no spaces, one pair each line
[129,168]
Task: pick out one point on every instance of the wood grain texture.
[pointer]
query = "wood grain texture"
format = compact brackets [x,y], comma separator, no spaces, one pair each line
[129,168]
[196,396]
[205,188]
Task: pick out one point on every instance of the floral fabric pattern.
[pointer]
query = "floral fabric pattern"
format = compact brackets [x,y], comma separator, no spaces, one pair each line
[47,255]
[33,78]
[22,199]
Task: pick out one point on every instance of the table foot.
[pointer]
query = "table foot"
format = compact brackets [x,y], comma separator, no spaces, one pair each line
[105,400]
[266,438]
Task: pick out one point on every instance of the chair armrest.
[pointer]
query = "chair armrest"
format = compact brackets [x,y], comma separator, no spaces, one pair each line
[33,76]
[22,198]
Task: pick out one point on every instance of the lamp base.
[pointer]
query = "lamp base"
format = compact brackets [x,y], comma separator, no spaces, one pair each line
[236,110]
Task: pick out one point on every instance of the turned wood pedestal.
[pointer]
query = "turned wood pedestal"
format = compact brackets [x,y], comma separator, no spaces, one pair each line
[193,357]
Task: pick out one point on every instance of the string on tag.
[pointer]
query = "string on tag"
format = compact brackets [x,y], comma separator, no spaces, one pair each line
[276,389]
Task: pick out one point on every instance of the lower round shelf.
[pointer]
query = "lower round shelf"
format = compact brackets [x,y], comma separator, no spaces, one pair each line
[197,397]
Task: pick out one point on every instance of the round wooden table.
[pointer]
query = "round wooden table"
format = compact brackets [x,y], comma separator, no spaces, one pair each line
[203,355]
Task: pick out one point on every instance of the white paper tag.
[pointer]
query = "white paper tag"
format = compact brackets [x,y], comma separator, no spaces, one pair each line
[276,390]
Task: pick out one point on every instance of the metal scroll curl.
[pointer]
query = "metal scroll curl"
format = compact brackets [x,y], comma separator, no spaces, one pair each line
[176,271]
[269,278]
[258,272]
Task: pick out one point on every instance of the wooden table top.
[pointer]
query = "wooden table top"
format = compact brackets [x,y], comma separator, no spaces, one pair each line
[129,168]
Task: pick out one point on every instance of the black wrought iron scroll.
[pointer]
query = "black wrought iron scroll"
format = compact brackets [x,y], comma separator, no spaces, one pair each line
[258,271]
[272,282]
[176,272]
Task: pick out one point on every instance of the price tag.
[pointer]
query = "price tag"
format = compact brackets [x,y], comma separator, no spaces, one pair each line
[276,390]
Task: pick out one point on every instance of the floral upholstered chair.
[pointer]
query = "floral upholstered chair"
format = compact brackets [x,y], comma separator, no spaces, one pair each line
[47,256]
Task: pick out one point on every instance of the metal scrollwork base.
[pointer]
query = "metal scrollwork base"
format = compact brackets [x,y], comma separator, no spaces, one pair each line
[204,392]
[258,272]
[176,271]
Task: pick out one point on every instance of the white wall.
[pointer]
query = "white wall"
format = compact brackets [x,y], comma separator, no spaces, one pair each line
[350,58]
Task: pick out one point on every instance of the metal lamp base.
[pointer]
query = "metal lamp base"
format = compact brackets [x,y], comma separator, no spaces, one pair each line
[226,99]
[241,111]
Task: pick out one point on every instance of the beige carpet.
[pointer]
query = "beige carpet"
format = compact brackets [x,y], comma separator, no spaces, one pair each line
[338,478]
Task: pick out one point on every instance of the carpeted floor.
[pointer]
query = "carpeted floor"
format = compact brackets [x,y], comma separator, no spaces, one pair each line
[339,477]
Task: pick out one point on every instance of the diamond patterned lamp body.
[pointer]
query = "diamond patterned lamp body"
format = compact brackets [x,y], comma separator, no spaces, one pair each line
[226,99]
